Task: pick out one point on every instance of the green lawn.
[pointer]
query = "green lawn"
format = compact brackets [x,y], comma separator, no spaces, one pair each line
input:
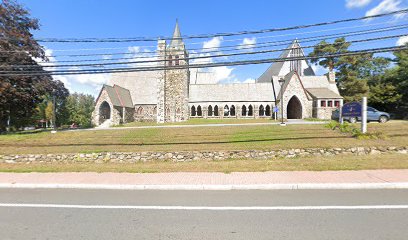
[196,121]
[198,138]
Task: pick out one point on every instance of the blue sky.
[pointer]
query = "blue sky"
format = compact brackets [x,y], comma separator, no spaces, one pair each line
[130,18]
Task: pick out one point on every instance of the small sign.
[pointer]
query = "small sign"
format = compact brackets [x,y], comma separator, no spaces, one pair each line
[275,109]
[352,109]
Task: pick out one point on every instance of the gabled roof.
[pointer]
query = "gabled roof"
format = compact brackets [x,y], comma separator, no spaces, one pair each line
[283,68]
[322,93]
[119,96]
[176,39]
[287,79]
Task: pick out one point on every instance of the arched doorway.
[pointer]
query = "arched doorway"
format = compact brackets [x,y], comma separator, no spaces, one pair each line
[294,109]
[104,112]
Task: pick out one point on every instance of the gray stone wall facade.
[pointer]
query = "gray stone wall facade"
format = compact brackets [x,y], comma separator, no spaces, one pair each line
[173,84]
[145,113]
[115,113]
[257,112]
[295,89]
[132,157]
[323,112]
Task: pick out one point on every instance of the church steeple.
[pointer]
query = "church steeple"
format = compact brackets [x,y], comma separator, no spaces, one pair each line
[176,39]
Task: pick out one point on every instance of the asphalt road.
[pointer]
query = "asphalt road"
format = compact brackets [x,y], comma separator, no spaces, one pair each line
[143,214]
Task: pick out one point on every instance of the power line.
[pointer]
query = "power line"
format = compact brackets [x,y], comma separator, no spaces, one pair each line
[209,65]
[194,58]
[225,34]
[224,40]
[259,45]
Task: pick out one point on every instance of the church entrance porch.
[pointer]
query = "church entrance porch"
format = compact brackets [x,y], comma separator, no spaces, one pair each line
[294,108]
[104,112]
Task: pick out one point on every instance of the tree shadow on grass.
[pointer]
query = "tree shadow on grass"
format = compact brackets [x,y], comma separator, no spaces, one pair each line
[174,143]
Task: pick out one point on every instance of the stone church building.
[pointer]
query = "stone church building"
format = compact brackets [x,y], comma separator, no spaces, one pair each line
[174,95]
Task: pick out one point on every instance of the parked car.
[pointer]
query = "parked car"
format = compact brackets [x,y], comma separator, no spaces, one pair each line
[372,115]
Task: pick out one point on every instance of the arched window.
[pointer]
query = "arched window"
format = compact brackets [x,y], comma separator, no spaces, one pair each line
[199,112]
[250,110]
[268,110]
[178,111]
[210,111]
[193,111]
[261,110]
[226,111]
[139,111]
[216,113]
[177,60]
[232,110]
[170,60]
[155,110]
[244,110]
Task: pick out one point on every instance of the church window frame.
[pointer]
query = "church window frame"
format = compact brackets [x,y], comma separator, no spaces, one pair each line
[330,103]
[261,110]
[337,103]
[244,111]
[226,111]
[210,111]
[193,111]
[323,103]
[177,61]
[216,111]
[170,60]
[139,110]
[232,111]
[268,110]
[199,111]
[250,111]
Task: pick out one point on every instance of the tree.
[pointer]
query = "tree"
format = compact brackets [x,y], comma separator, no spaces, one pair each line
[324,48]
[354,73]
[398,77]
[20,94]
[80,108]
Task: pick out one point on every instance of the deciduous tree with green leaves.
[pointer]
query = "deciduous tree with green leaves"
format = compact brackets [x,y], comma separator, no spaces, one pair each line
[20,94]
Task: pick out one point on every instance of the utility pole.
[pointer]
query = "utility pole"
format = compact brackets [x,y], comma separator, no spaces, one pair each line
[364,115]
[281,82]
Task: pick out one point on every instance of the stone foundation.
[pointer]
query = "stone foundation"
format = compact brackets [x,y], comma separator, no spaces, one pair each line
[129,157]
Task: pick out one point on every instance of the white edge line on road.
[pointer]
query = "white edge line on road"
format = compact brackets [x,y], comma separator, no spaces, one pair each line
[295,186]
[210,208]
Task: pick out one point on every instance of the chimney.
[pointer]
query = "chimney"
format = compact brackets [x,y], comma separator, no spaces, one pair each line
[331,76]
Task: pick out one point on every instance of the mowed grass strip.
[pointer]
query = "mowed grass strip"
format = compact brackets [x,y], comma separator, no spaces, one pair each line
[335,163]
[197,121]
[271,137]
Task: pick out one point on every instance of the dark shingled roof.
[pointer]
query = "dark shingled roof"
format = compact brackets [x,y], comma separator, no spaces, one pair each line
[119,96]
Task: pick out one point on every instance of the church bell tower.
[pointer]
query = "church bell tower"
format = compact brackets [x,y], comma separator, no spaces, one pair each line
[173,80]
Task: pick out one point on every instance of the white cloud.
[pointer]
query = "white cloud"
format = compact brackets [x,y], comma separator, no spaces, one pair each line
[142,56]
[386,6]
[51,66]
[94,80]
[217,73]
[247,43]
[357,3]
[402,40]
[222,73]
[213,44]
